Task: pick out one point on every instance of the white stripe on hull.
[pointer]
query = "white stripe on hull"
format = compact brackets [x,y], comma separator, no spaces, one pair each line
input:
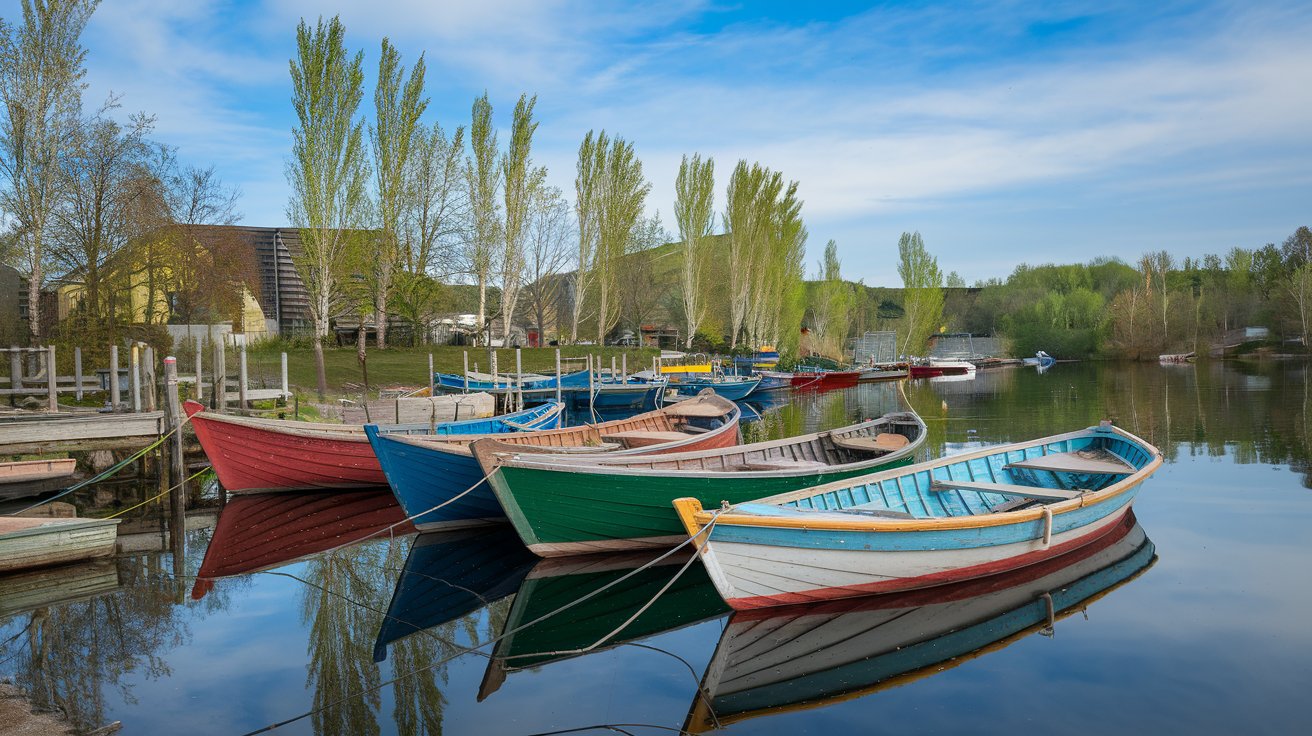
[743,571]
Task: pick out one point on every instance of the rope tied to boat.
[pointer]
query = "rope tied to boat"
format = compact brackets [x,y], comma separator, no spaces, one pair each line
[110,471]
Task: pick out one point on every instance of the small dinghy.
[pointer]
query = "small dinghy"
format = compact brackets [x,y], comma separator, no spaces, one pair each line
[953,519]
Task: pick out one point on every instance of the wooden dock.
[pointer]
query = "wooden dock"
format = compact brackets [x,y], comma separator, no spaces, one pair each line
[36,433]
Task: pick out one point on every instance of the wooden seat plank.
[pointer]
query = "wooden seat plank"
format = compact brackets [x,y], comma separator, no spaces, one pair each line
[1006,489]
[1093,462]
[884,442]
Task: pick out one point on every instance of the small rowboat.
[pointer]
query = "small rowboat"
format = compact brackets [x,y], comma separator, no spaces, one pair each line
[952,519]
[733,388]
[577,504]
[817,378]
[33,477]
[773,381]
[29,542]
[426,472]
[251,454]
[451,383]
[776,660]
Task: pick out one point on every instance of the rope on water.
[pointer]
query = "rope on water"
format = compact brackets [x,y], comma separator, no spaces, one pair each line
[468,650]
[111,471]
[193,476]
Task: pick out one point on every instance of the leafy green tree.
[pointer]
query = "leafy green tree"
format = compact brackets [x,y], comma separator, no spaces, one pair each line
[589,171]
[694,213]
[832,311]
[483,180]
[622,193]
[521,184]
[922,282]
[41,72]
[398,105]
[328,168]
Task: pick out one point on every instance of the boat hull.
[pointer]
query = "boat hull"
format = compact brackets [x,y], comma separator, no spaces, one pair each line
[427,475]
[731,390]
[27,543]
[565,513]
[757,567]
[252,458]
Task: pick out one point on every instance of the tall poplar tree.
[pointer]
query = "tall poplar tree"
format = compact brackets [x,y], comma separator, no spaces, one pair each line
[589,170]
[328,167]
[398,104]
[521,184]
[694,213]
[623,193]
[483,182]
[922,282]
[41,71]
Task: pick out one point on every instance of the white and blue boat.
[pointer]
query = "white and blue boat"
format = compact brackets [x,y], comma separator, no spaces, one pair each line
[733,388]
[956,518]
[1041,360]
[452,383]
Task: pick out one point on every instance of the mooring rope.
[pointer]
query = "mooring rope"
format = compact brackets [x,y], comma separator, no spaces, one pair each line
[468,650]
[180,484]
[109,472]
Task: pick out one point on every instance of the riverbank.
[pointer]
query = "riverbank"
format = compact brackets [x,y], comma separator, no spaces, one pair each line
[18,719]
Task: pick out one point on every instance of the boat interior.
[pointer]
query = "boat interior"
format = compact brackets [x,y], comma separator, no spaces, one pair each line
[980,483]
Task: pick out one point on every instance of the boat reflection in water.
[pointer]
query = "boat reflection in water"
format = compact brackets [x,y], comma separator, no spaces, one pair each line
[591,625]
[777,660]
[450,574]
[266,530]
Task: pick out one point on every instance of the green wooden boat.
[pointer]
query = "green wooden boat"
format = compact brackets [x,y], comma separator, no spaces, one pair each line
[582,629]
[576,504]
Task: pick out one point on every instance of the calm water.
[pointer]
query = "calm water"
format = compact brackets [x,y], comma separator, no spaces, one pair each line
[1194,621]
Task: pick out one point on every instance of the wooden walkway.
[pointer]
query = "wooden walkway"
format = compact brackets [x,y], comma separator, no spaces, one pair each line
[35,433]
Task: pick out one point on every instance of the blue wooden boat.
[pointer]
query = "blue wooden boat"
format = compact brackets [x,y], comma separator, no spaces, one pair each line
[733,388]
[773,381]
[427,472]
[779,660]
[532,419]
[957,518]
[616,395]
[450,574]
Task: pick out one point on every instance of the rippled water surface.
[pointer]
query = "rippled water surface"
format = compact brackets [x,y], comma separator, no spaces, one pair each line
[1194,620]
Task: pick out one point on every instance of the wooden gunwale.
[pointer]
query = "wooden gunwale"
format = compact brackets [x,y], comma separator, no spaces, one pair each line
[611,465]
[875,524]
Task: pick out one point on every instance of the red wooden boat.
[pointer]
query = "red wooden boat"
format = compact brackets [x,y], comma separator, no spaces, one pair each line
[262,531]
[826,379]
[936,368]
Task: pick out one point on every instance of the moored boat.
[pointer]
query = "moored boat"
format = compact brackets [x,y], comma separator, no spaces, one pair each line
[576,504]
[34,477]
[31,542]
[427,473]
[733,388]
[776,660]
[957,518]
[936,367]
[817,378]
[252,454]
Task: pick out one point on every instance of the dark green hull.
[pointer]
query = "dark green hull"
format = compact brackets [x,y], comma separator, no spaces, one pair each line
[566,512]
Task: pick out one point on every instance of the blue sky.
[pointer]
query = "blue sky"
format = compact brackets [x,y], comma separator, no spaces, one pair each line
[1004,132]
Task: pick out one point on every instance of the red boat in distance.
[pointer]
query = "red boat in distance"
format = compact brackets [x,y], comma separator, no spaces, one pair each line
[936,368]
[825,380]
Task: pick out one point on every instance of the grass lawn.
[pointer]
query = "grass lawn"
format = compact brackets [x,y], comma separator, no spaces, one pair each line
[409,366]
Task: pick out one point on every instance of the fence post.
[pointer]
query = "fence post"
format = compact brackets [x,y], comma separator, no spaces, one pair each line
[241,377]
[148,378]
[52,392]
[557,375]
[285,391]
[431,389]
[173,422]
[519,377]
[77,371]
[15,368]
[200,374]
[115,390]
[220,375]
[136,378]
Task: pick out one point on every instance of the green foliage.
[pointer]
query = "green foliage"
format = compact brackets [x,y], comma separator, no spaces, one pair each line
[922,282]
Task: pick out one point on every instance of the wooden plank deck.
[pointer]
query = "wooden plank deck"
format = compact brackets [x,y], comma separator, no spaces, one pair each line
[47,432]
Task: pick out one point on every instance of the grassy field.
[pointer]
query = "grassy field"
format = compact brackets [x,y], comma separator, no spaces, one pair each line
[409,366]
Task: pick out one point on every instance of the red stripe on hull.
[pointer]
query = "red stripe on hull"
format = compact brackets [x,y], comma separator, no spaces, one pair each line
[254,459]
[924,581]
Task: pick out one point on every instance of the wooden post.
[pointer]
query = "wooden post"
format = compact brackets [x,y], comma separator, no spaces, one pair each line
[624,368]
[241,376]
[494,368]
[557,375]
[52,392]
[77,371]
[148,378]
[220,390]
[612,369]
[519,377]
[135,372]
[432,390]
[466,374]
[286,389]
[177,474]
[115,391]
[200,374]
[15,368]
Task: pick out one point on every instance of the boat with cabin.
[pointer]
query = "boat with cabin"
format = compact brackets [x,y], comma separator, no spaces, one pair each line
[952,519]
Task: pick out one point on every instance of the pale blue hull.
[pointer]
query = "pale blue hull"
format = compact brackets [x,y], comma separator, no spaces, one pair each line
[731,390]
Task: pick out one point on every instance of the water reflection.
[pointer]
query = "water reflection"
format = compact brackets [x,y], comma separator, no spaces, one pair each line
[773,661]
